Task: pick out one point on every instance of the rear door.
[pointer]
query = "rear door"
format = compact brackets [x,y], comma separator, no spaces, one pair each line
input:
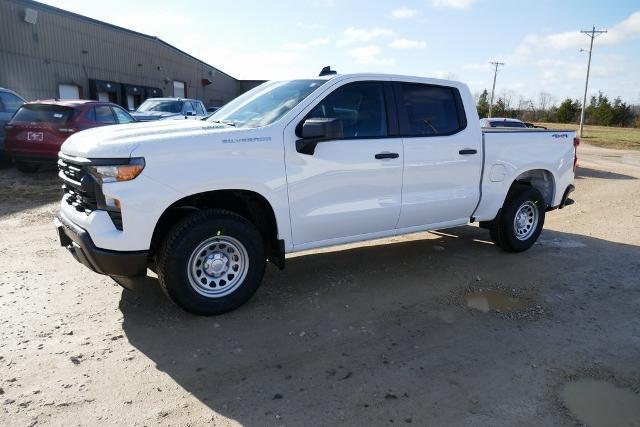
[350,186]
[442,156]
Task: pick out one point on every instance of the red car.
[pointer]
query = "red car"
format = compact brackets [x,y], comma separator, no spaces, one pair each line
[37,130]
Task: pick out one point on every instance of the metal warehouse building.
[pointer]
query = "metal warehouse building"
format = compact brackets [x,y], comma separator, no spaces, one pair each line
[46,52]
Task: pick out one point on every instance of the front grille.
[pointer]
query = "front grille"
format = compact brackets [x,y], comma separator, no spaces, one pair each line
[81,190]
[78,186]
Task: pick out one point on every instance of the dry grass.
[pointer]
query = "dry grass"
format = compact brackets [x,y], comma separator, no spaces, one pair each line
[603,136]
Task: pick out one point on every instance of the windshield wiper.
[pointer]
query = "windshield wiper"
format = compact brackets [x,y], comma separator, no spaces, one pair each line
[228,123]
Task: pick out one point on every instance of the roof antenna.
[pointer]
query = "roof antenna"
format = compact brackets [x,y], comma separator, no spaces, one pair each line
[327,71]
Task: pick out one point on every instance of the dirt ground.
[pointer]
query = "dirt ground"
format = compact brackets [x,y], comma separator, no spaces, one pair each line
[368,334]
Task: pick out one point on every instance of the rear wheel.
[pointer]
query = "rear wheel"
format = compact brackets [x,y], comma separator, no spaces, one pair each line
[27,167]
[211,262]
[519,223]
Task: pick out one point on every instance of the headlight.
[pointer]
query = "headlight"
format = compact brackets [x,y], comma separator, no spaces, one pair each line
[115,173]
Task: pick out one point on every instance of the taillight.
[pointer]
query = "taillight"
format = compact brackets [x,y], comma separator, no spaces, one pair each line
[576,142]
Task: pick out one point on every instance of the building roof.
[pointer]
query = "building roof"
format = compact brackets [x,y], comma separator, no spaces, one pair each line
[45,7]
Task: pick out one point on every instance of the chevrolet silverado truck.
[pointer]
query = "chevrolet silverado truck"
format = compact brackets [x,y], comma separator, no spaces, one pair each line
[296,165]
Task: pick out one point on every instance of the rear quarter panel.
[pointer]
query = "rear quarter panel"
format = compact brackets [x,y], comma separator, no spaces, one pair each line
[508,154]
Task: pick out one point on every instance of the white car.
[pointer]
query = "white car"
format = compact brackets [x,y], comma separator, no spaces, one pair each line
[296,165]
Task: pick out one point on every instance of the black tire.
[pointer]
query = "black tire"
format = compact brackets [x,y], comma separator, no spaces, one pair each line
[503,230]
[27,167]
[173,261]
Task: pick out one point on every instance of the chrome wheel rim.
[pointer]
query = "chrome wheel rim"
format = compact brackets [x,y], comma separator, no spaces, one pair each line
[525,220]
[218,266]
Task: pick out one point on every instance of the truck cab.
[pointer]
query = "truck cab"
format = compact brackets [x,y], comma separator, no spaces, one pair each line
[296,165]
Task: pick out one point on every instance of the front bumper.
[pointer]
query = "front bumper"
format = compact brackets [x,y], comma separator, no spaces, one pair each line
[113,263]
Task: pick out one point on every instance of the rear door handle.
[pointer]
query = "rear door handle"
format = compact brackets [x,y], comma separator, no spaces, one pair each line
[387,156]
[468,151]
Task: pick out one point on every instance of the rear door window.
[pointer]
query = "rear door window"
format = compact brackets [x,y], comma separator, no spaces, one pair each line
[428,110]
[43,113]
[104,115]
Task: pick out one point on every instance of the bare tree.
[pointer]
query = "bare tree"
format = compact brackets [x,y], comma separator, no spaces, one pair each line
[544,101]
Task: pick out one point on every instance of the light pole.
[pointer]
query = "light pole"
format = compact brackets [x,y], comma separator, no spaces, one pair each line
[496,64]
[593,33]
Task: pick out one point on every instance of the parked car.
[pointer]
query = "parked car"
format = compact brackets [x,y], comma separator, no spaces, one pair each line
[534,126]
[501,122]
[169,108]
[38,129]
[297,165]
[9,104]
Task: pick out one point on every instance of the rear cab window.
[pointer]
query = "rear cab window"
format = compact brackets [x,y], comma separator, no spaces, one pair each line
[43,113]
[507,124]
[430,110]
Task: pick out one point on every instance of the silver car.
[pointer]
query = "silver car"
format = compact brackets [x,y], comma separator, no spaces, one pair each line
[169,108]
[9,104]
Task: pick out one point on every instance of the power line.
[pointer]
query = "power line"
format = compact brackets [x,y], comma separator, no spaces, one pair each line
[592,34]
[496,64]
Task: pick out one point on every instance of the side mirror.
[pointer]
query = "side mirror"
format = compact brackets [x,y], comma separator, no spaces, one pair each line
[315,130]
[190,113]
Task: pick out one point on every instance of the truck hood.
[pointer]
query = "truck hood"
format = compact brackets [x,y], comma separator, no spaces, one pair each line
[119,141]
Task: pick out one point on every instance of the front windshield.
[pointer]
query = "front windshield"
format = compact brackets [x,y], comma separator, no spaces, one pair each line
[166,106]
[266,103]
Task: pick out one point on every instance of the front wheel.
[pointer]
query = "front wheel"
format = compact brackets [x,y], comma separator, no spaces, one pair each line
[519,222]
[211,262]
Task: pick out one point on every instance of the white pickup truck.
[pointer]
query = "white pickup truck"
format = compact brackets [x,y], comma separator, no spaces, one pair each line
[295,165]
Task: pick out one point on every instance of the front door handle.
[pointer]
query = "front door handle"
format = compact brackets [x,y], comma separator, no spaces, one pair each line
[387,156]
[468,151]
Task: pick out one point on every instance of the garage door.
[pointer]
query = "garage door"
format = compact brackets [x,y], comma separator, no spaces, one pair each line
[178,89]
[69,91]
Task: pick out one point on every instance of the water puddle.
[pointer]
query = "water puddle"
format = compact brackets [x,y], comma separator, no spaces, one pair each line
[486,301]
[599,403]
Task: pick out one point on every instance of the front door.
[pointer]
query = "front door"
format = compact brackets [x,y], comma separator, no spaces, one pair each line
[350,186]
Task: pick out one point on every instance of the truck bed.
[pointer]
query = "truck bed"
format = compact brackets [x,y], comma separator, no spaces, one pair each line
[543,156]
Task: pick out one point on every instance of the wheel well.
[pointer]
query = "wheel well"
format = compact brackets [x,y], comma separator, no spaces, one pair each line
[540,179]
[248,204]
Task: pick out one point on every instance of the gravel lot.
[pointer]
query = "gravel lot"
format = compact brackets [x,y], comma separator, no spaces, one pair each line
[388,332]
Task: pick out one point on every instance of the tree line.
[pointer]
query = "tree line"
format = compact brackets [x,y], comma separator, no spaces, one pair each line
[600,109]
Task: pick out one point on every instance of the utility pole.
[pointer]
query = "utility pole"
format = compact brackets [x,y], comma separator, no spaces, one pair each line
[496,64]
[593,33]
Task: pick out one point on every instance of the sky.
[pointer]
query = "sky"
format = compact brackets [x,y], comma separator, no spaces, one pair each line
[538,40]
